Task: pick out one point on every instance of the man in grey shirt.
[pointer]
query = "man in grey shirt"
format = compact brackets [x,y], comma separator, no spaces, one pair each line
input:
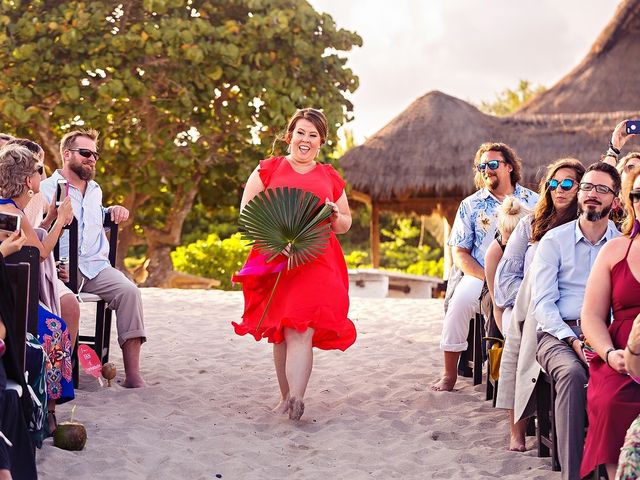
[561,268]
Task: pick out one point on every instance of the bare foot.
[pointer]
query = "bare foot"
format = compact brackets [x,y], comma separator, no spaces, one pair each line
[296,408]
[517,443]
[282,407]
[53,421]
[445,384]
[133,381]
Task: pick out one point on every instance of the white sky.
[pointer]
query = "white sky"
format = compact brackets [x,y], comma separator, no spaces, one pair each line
[472,49]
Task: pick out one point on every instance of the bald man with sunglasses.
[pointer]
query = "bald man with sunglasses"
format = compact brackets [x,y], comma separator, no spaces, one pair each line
[96,275]
[497,172]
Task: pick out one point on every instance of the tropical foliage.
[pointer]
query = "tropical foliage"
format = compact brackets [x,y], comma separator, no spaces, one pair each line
[509,100]
[187,94]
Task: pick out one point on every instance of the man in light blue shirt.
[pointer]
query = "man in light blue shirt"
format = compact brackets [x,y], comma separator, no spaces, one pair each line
[560,271]
[96,275]
[497,172]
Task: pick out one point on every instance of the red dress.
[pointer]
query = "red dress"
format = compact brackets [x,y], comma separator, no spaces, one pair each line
[613,399]
[315,294]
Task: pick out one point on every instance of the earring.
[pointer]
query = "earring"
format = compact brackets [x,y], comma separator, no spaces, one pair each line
[30,193]
[289,148]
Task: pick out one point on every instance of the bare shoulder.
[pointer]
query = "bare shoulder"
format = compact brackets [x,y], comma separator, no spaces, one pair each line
[494,252]
[614,250]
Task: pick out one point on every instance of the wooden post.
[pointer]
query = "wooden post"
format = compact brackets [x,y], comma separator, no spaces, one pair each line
[375,234]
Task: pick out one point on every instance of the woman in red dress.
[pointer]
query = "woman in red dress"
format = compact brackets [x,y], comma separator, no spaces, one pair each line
[310,303]
[613,397]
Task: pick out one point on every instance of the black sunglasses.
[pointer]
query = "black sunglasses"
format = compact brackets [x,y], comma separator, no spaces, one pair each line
[566,184]
[492,164]
[39,169]
[85,152]
[602,189]
[634,195]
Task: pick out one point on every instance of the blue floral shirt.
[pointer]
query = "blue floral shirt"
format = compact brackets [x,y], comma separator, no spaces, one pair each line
[475,225]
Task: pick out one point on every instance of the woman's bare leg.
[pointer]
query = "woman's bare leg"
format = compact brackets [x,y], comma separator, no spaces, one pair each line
[280,360]
[298,367]
[70,313]
[517,438]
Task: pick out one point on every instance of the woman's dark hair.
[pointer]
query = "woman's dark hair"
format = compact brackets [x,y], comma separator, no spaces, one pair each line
[545,215]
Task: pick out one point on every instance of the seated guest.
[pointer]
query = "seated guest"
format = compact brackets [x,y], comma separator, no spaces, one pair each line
[97,276]
[34,211]
[560,270]
[497,172]
[20,173]
[613,398]
[558,205]
[627,163]
[16,450]
[509,214]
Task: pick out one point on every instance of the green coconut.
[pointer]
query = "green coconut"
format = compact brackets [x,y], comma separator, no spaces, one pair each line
[70,436]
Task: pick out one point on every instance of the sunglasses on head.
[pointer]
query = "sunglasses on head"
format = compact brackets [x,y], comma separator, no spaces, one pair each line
[492,164]
[566,184]
[601,189]
[634,195]
[86,153]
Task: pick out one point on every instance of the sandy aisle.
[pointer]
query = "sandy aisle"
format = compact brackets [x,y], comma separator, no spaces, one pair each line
[369,411]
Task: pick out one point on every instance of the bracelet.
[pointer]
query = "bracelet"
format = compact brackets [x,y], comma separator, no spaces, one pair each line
[615,150]
[612,153]
[631,351]
[606,356]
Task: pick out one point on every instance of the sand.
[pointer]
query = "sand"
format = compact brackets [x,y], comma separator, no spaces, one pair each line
[206,411]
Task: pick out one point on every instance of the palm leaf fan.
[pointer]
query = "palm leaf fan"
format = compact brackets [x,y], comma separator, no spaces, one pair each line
[287,217]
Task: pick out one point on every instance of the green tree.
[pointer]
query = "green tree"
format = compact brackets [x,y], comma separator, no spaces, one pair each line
[508,101]
[183,92]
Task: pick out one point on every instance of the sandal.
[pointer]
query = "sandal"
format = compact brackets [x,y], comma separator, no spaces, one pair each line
[52,414]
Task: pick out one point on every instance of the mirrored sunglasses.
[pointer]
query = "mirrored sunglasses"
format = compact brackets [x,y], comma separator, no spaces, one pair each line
[492,164]
[566,184]
[86,153]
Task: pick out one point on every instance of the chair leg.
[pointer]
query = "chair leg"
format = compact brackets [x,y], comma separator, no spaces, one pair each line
[478,356]
[543,425]
[99,332]
[76,365]
[466,357]
[106,335]
[555,459]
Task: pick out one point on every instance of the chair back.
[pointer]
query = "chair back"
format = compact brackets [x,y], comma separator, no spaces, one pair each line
[18,274]
[31,257]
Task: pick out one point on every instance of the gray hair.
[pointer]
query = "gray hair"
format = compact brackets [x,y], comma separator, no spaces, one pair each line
[17,163]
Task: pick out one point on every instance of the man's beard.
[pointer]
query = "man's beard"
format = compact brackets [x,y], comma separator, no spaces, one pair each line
[492,182]
[594,216]
[85,174]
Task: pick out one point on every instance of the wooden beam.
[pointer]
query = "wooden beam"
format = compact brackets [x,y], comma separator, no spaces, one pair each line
[375,234]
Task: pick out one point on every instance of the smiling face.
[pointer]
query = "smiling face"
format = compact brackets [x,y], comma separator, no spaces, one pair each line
[305,141]
[84,168]
[562,198]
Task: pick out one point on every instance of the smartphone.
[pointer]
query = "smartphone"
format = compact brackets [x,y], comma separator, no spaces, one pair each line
[633,127]
[62,190]
[9,222]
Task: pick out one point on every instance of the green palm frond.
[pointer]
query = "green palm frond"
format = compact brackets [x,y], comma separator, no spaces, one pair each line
[283,216]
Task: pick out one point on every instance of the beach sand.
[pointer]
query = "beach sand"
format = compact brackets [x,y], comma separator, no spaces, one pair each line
[206,411]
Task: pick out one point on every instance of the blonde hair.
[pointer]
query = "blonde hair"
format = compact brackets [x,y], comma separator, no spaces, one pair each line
[630,218]
[509,214]
[68,141]
[17,163]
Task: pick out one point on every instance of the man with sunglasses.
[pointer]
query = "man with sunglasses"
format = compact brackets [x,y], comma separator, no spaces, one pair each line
[96,275]
[497,173]
[560,270]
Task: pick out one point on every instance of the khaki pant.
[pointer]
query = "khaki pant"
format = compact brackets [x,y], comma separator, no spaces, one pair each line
[122,296]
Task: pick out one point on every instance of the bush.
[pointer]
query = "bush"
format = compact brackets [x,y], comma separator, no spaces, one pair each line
[213,258]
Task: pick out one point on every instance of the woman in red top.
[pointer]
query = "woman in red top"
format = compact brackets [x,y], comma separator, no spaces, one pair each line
[310,304]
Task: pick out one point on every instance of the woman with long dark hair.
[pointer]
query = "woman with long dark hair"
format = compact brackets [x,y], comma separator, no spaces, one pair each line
[558,205]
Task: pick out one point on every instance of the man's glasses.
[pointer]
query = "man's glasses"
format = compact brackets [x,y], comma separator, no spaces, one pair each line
[602,189]
[492,164]
[566,184]
[634,195]
[39,170]
[85,152]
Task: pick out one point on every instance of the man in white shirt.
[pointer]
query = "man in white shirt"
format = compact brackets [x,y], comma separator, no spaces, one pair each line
[561,268]
[96,275]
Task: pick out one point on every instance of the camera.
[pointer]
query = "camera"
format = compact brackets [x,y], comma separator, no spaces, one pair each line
[62,190]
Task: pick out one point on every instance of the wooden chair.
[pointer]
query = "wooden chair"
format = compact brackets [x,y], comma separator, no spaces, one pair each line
[546,427]
[101,337]
[470,363]
[27,257]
